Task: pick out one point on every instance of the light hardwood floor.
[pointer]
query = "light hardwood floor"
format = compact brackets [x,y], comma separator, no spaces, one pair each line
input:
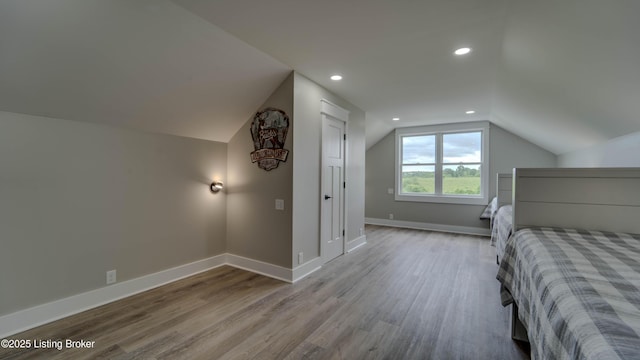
[407,294]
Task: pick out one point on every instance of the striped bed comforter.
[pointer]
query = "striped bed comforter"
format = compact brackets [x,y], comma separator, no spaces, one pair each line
[489,211]
[501,230]
[578,292]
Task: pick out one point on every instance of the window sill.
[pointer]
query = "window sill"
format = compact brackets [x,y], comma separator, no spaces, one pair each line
[449,199]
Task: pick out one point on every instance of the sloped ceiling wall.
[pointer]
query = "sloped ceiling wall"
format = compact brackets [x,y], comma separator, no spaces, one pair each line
[561,74]
[569,75]
[147,64]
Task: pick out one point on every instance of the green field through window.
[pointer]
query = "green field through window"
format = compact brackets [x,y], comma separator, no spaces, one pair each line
[423,182]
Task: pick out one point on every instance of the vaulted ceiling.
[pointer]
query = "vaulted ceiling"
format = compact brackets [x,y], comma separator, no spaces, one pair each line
[563,74]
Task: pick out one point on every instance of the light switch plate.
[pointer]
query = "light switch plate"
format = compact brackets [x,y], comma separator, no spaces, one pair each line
[111,277]
[279,204]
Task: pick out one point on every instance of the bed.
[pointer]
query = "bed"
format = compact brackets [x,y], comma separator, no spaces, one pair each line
[503,196]
[575,292]
[499,213]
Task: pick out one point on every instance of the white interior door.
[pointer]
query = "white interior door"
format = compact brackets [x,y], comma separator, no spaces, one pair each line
[333,160]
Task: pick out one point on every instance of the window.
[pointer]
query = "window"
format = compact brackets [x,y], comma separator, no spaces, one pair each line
[443,163]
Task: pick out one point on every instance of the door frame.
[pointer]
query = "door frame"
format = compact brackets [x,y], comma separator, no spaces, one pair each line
[329,109]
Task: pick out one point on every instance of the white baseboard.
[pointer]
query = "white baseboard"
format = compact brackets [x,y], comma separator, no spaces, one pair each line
[42,314]
[259,267]
[307,268]
[356,243]
[427,226]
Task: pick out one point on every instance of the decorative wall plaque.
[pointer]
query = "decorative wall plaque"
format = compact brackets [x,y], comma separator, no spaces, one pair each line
[269,132]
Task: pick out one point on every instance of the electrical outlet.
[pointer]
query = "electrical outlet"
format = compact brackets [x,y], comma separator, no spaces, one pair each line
[390,216]
[279,204]
[300,257]
[390,191]
[361,231]
[111,277]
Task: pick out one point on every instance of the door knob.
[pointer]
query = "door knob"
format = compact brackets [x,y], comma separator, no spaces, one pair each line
[326,197]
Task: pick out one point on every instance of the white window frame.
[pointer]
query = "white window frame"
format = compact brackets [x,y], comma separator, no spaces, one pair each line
[439,130]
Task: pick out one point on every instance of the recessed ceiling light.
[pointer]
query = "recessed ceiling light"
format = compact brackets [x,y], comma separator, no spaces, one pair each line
[469,112]
[395,119]
[462,51]
[336,77]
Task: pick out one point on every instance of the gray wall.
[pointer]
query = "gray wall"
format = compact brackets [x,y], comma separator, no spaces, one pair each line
[506,152]
[254,228]
[509,151]
[78,199]
[618,152]
[306,176]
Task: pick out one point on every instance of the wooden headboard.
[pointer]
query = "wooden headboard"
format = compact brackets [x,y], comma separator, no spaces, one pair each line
[606,199]
[504,185]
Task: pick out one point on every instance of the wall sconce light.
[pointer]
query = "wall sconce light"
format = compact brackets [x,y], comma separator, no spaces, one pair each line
[216,186]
